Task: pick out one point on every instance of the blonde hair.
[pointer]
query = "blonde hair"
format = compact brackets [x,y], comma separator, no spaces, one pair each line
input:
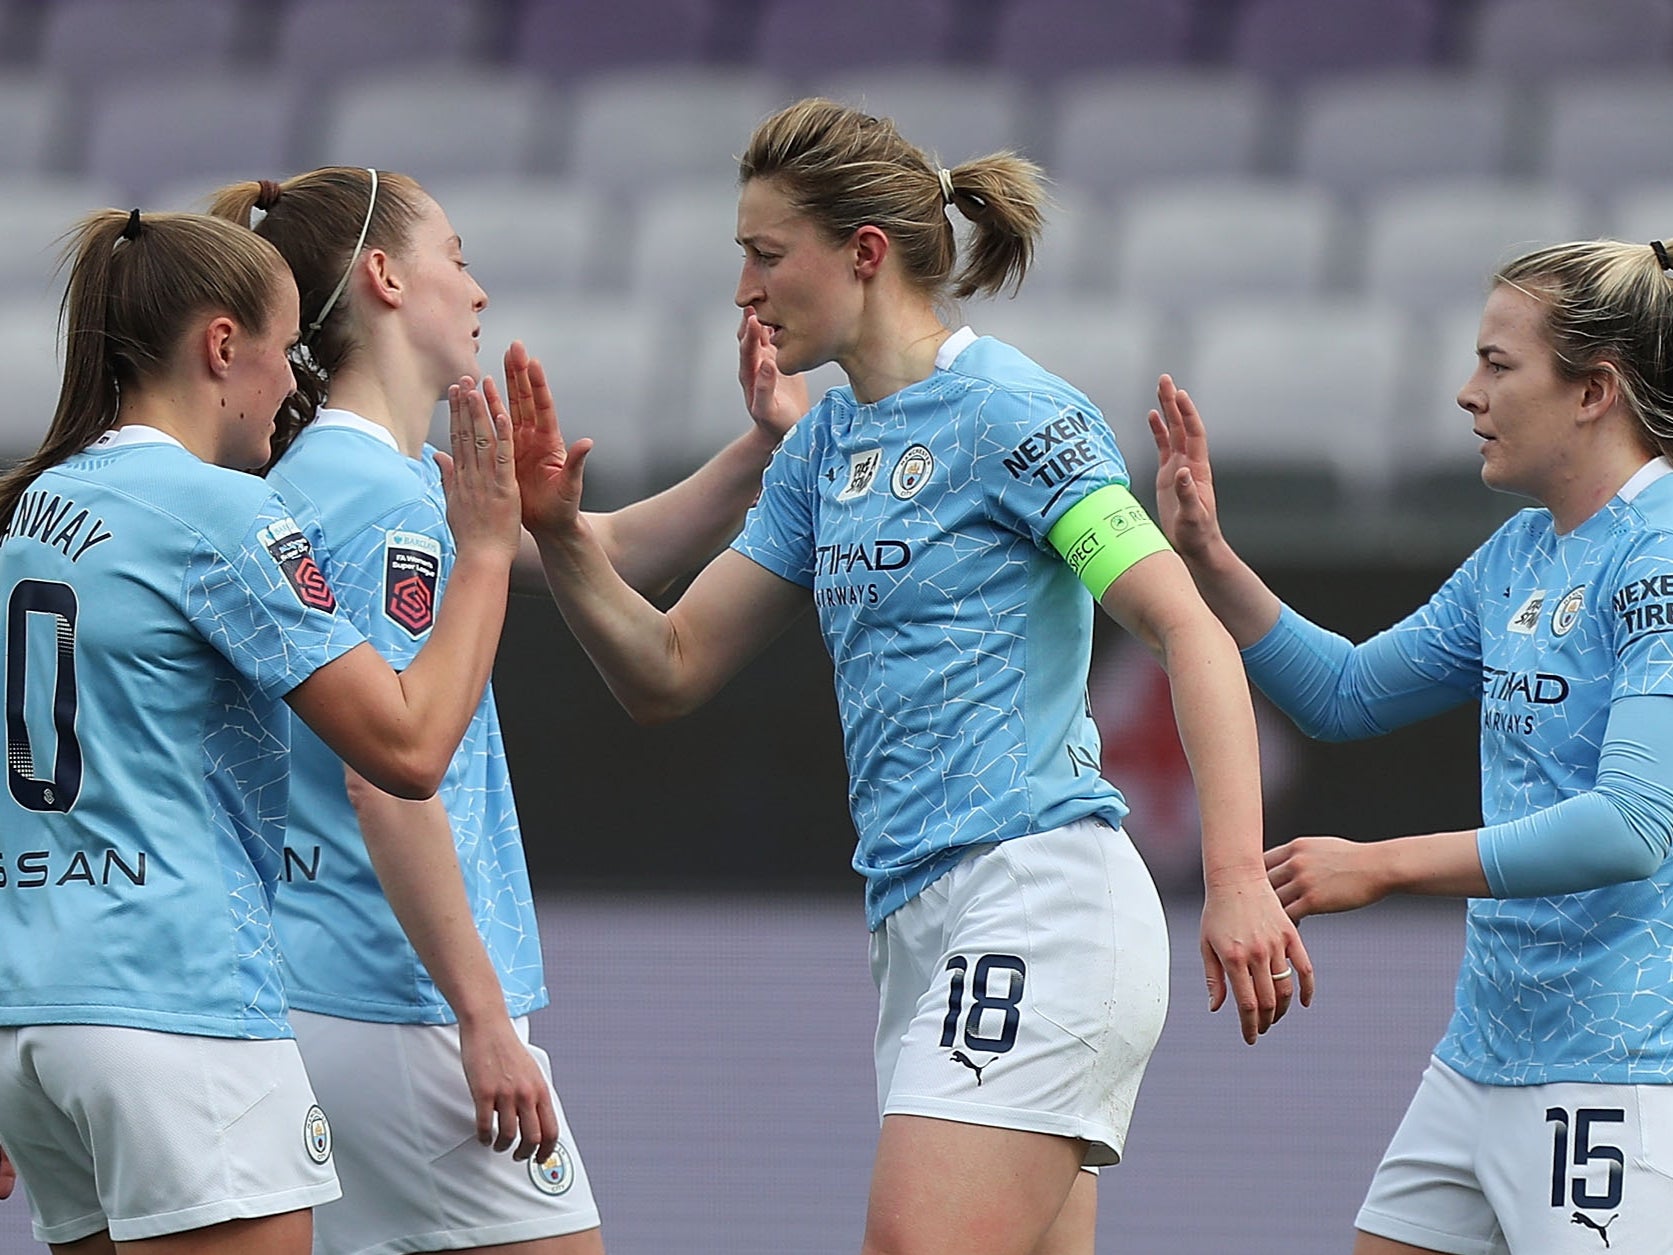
[136,283]
[845,169]
[1609,307]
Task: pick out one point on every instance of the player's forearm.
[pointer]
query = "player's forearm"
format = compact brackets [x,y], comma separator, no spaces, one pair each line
[1237,596]
[655,541]
[1438,864]
[629,640]
[1217,730]
[412,851]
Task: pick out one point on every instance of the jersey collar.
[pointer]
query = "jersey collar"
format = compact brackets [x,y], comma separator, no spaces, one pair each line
[952,346]
[134,433]
[1643,477]
[352,421]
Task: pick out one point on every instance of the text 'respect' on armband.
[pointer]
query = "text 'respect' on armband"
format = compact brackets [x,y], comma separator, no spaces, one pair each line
[1103,534]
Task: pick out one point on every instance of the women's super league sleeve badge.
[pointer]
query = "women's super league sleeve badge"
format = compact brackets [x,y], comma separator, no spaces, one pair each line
[911,472]
[411,571]
[290,550]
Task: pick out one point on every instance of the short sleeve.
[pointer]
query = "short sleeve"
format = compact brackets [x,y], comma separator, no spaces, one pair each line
[1638,594]
[266,606]
[1038,452]
[778,532]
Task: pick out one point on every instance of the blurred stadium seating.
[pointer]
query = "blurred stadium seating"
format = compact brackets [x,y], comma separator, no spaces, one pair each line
[1205,154]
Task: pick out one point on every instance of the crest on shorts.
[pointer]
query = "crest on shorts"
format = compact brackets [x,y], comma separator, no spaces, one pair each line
[411,571]
[911,472]
[554,1174]
[316,1134]
[290,550]
[862,474]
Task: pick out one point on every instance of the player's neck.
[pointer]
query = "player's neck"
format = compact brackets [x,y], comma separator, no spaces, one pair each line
[388,399]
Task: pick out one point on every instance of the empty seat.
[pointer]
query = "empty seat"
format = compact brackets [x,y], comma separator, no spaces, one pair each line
[1074,247]
[571,39]
[34,369]
[1045,39]
[34,112]
[1359,135]
[1641,214]
[683,252]
[146,133]
[1434,245]
[1596,131]
[1285,386]
[1435,436]
[1177,246]
[459,123]
[632,133]
[1112,134]
[951,114]
[812,38]
[320,39]
[95,40]
[529,237]
[1531,38]
[1290,38]
[35,213]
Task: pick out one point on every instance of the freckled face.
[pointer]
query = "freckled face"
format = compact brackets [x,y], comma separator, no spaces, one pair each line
[801,286]
[1524,411]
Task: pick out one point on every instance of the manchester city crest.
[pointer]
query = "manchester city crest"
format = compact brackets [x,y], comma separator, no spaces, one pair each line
[911,472]
[554,1174]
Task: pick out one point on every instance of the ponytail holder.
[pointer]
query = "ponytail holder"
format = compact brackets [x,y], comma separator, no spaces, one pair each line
[131,230]
[945,176]
[268,195]
[1661,255]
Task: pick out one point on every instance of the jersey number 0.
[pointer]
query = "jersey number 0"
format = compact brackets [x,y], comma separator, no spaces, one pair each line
[56,792]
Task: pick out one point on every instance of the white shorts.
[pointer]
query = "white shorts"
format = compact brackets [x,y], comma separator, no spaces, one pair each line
[1026,988]
[414,1176]
[146,1133]
[1561,1169]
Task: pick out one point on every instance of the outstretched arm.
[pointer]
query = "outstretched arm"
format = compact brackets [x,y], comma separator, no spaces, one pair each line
[412,850]
[1190,519]
[1246,937]
[655,541]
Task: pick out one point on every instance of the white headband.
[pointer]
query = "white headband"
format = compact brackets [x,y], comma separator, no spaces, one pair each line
[331,301]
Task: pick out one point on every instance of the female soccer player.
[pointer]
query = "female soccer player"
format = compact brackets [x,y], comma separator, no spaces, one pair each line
[1018,944]
[160,604]
[409,928]
[1544,1122]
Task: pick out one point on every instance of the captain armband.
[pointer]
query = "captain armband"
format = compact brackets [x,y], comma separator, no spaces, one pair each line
[1103,534]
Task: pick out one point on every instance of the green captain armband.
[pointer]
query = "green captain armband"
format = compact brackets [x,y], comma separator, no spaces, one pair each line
[1103,534]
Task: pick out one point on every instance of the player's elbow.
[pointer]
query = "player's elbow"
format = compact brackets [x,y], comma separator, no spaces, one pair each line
[413,772]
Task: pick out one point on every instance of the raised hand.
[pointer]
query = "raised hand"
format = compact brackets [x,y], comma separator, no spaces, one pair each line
[1184,479]
[480,478]
[774,401]
[548,469]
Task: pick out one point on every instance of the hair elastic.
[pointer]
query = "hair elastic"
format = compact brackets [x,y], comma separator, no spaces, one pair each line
[131,230]
[946,179]
[1661,255]
[267,194]
[331,301]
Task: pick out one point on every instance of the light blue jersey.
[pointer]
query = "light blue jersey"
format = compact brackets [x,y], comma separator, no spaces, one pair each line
[1552,634]
[378,521]
[157,611]
[960,638]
